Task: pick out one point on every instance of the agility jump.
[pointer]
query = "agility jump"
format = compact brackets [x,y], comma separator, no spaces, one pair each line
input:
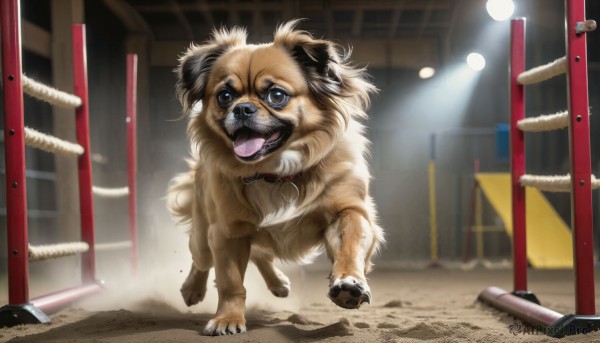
[21,309]
[522,303]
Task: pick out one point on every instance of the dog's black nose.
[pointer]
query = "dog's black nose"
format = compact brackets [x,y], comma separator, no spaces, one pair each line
[244,110]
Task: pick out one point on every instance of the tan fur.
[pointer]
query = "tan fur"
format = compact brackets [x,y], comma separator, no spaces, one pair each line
[234,222]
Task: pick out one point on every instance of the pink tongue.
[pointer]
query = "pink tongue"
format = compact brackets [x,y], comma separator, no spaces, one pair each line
[248,144]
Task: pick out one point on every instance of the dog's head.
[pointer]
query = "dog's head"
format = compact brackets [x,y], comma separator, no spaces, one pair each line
[272,108]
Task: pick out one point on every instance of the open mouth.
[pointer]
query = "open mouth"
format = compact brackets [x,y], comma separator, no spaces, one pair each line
[250,145]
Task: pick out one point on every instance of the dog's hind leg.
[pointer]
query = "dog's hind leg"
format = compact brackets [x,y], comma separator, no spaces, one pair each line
[193,289]
[277,282]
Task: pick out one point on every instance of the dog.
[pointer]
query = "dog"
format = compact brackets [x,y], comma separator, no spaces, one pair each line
[278,167]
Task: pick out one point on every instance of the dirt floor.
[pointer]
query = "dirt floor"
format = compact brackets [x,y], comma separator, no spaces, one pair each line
[434,305]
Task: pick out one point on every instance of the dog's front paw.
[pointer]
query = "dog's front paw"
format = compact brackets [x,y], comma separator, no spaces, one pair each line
[349,292]
[221,326]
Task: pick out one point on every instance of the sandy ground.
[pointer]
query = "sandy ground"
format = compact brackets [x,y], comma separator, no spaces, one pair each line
[434,305]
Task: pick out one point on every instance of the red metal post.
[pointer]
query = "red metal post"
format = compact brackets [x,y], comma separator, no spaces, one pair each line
[580,155]
[132,155]
[14,144]
[84,165]
[517,148]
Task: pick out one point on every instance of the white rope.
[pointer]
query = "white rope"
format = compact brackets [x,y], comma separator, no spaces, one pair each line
[543,72]
[553,183]
[547,122]
[110,192]
[52,144]
[113,246]
[46,252]
[50,95]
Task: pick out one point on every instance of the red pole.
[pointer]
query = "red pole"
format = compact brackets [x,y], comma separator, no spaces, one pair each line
[579,142]
[517,145]
[132,154]
[84,166]
[14,145]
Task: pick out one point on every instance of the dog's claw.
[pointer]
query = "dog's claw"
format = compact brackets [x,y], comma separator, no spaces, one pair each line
[222,327]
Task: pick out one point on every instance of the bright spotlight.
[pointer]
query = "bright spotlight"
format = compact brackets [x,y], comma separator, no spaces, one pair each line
[426,72]
[500,10]
[476,61]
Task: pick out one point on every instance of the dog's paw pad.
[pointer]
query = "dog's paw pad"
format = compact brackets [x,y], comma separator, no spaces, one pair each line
[348,292]
[222,327]
[281,291]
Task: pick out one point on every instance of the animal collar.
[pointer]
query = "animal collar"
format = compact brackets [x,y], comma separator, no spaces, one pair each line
[270,178]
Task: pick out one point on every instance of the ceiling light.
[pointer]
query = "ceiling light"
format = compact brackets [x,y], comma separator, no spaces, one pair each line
[500,10]
[476,61]
[426,72]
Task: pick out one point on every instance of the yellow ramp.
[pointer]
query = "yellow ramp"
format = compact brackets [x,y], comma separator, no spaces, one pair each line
[549,240]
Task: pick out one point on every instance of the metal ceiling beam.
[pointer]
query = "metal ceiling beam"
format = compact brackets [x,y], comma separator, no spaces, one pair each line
[257,21]
[394,22]
[328,18]
[206,12]
[425,21]
[406,52]
[176,10]
[130,18]
[307,5]
[358,21]
[233,16]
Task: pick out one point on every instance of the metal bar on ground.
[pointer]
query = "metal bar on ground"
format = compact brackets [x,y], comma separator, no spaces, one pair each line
[14,142]
[55,301]
[526,310]
[84,165]
[580,155]
[517,144]
[131,108]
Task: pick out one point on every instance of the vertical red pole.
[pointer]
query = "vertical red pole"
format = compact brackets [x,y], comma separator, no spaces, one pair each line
[84,165]
[14,144]
[517,146]
[132,154]
[580,155]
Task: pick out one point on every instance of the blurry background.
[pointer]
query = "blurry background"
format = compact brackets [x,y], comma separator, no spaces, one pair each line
[454,113]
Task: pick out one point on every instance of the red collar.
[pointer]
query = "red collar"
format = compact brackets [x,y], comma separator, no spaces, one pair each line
[270,178]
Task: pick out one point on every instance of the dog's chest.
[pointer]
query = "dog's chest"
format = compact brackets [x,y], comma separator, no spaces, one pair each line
[275,203]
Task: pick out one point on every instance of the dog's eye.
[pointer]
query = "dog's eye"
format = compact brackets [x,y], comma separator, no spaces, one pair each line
[277,97]
[225,98]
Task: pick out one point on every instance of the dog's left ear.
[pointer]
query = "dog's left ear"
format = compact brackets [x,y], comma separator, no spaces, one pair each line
[327,70]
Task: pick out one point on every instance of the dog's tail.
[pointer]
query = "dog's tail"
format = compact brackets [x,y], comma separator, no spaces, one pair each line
[180,196]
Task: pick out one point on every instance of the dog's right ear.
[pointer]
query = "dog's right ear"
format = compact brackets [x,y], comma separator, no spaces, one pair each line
[196,63]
